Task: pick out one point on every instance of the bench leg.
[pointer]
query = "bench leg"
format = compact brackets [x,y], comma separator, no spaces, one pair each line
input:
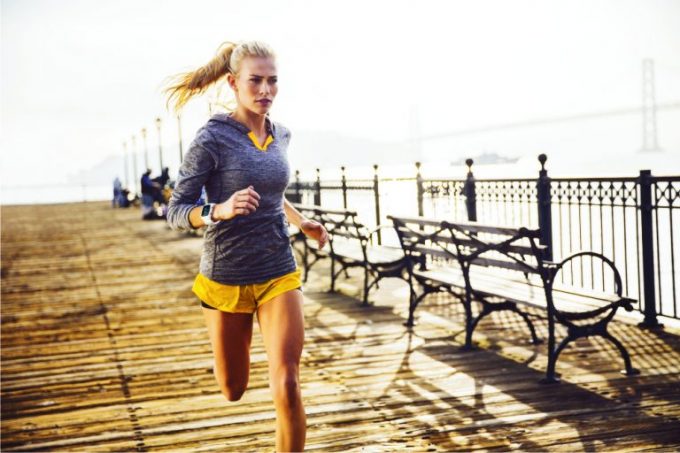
[469,329]
[490,307]
[411,298]
[629,370]
[534,337]
[472,325]
[550,375]
[413,303]
[308,260]
[469,323]
[366,287]
[332,274]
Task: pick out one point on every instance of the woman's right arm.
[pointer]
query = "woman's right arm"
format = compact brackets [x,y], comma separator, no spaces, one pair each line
[183,213]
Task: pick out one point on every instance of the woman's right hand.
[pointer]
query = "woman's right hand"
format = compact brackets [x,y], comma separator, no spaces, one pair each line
[242,202]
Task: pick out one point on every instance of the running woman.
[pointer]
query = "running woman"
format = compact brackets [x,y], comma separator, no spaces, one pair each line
[247,265]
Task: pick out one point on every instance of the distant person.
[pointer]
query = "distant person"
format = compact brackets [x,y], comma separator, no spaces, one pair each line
[147,183]
[164,177]
[125,198]
[149,190]
[247,265]
[162,180]
[117,193]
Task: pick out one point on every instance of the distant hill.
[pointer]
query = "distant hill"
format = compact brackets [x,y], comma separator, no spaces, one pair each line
[311,149]
[487,159]
[102,173]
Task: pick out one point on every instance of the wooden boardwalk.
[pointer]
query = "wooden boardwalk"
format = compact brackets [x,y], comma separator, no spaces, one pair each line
[104,349]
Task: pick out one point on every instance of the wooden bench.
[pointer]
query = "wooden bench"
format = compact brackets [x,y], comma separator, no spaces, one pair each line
[350,245]
[502,268]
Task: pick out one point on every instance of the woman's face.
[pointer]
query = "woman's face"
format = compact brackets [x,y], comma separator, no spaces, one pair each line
[255,85]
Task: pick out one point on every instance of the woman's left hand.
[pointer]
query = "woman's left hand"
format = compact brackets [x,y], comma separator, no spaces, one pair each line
[314,230]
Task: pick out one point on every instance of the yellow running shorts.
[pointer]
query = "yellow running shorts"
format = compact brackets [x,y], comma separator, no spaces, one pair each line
[243,298]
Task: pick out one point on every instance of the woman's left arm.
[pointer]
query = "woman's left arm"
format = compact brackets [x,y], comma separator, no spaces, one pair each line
[311,228]
[293,215]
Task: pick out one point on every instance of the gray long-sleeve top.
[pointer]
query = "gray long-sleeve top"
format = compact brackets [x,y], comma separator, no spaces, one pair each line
[245,249]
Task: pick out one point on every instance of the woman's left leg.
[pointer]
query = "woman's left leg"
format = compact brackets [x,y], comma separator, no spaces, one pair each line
[282,324]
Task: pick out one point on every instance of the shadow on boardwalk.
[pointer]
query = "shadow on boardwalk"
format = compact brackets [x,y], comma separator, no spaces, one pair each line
[104,349]
[462,400]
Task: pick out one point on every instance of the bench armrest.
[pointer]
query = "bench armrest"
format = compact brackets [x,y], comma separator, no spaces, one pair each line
[557,267]
[375,231]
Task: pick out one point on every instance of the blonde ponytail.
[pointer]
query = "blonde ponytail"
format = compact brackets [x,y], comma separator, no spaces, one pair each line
[183,87]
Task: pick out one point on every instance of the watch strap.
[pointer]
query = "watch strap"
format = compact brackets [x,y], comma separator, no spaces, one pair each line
[206,214]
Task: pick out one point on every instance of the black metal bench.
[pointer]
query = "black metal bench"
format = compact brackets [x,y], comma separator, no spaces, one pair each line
[500,268]
[350,244]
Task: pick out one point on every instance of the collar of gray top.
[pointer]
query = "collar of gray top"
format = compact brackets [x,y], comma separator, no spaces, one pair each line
[227,119]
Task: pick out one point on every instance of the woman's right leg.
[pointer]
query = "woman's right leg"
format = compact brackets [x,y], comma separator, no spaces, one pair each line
[230,337]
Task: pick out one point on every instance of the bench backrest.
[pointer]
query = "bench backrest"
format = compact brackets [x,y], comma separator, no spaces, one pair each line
[470,244]
[341,223]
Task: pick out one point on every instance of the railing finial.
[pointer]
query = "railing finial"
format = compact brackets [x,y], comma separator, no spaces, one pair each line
[544,207]
[469,191]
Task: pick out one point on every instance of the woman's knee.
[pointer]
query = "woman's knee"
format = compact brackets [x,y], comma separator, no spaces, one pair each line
[232,392]
[232,389]
[286,387]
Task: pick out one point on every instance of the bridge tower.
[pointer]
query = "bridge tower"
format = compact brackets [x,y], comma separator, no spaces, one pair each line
[649,137]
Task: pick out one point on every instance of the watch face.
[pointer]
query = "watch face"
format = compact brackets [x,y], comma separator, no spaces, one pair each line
[205,211]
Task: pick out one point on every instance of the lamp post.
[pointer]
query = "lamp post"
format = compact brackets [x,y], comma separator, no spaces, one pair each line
[146,150]
[125,164]
[160,147]
[134,164]
[179,131]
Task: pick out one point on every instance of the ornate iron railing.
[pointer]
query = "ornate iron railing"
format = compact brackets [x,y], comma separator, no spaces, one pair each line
[631,220]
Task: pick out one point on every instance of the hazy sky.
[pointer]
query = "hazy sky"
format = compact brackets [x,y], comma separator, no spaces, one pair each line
[79,77]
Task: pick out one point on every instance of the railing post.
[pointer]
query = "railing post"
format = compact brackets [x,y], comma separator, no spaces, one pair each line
[419,185]
[647,232]
[469,192]
[344,188]
[376,194]
[317,188]
[298,195]
[544,207]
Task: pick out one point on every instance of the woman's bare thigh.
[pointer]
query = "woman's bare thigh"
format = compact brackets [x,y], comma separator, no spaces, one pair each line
[283,331]
[230,337]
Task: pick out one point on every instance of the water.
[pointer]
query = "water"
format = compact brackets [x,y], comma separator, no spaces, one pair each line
[54,193]
[598,164]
